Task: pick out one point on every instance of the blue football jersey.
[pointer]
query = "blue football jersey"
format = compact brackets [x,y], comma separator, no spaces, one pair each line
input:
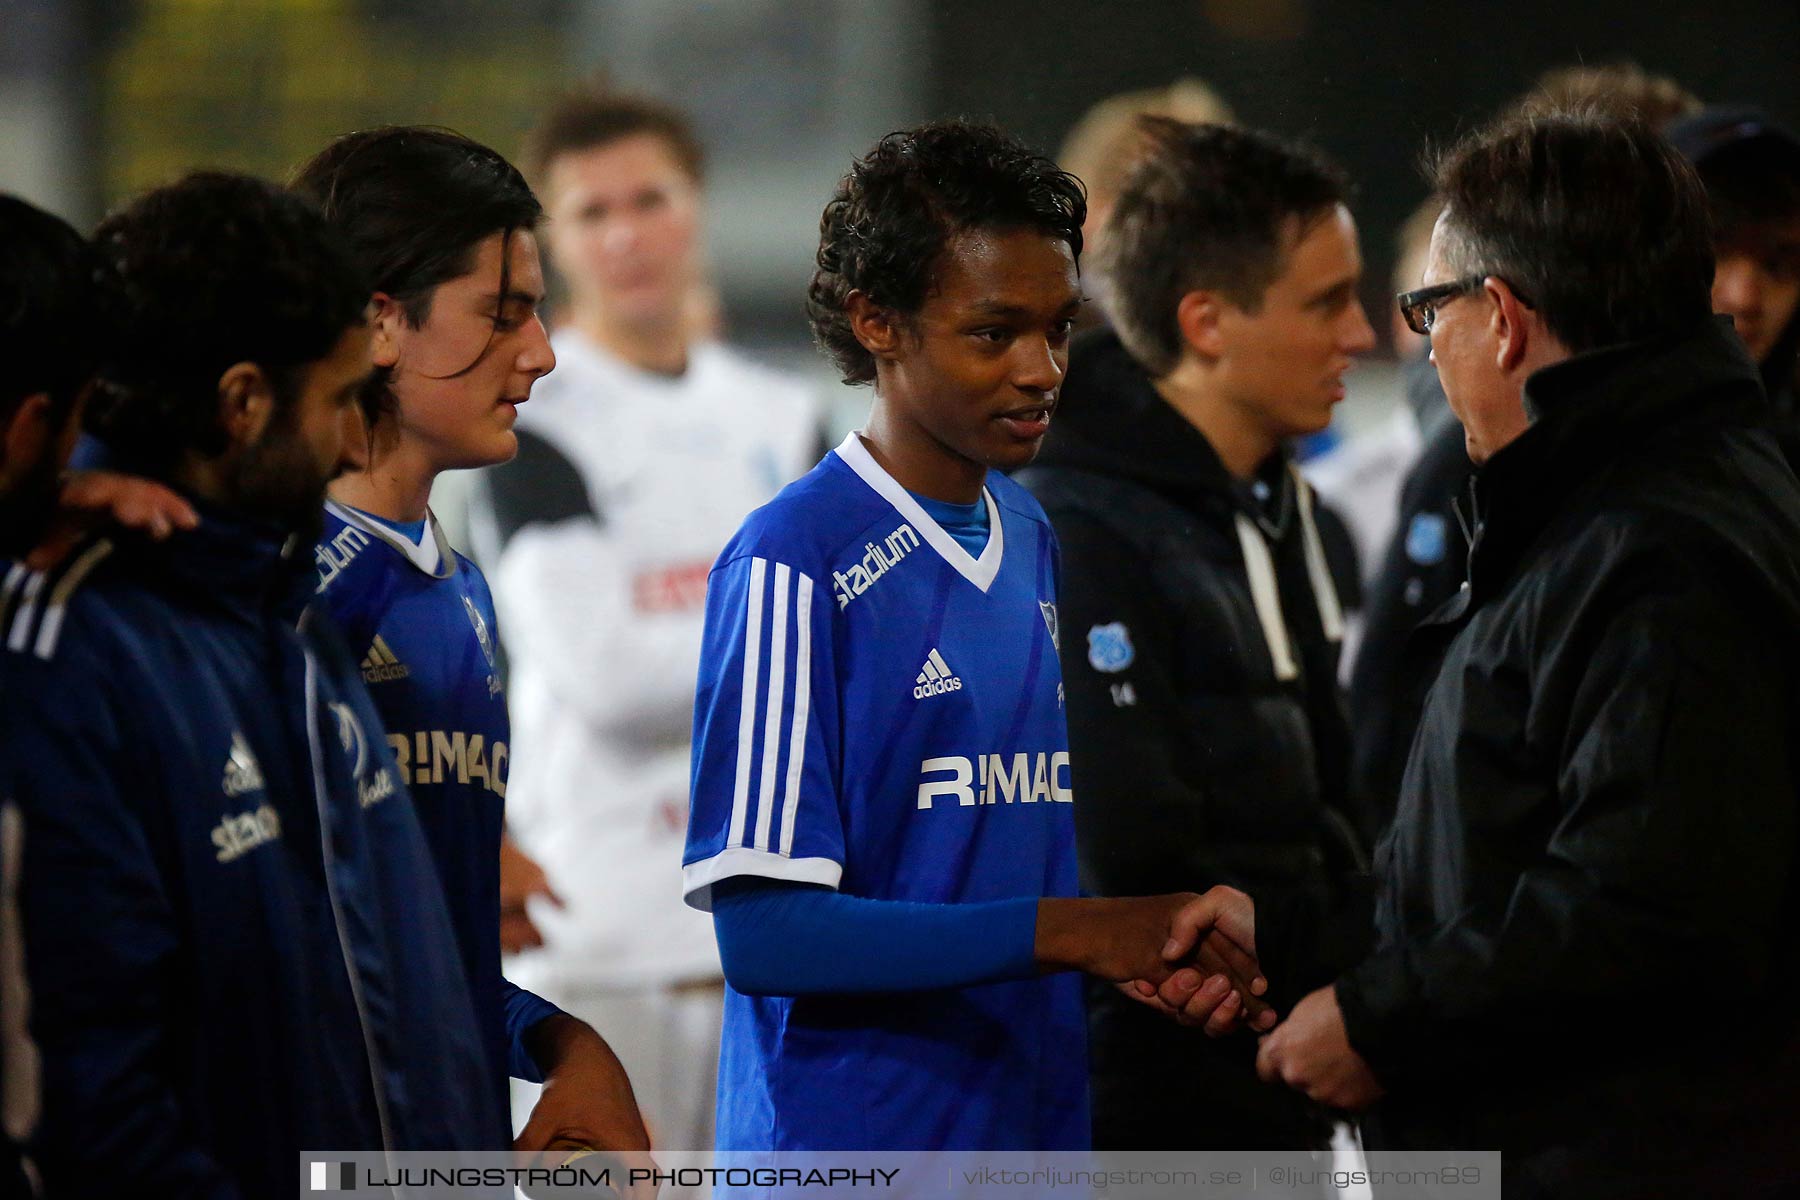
[881,712]
[422,620]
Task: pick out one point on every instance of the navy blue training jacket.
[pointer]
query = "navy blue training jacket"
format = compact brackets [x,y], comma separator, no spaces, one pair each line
[234,936]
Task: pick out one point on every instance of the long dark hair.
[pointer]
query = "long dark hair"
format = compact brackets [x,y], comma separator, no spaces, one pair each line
[415,203]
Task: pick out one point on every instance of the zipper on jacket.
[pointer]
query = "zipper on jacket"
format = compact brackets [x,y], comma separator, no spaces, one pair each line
[376,1070]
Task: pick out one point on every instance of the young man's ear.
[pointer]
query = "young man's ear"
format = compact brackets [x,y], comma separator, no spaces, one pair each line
[386,318]
[876,327]
[24,438]
[246,404]
[1197,315]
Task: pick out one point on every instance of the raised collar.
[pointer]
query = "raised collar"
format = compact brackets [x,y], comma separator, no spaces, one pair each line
[1593,410]
[435,557]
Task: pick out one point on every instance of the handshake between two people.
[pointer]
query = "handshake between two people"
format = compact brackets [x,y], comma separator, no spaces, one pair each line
[1190,957]
[1193,958]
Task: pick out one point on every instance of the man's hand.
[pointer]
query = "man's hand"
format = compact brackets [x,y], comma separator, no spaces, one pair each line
[1141,942]
[520,877]
[587,1103]
[1220,988]
[89,497]
[1311,1053]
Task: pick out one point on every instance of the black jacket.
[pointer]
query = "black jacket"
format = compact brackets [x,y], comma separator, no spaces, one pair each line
[1423,567]
[1587,910]
[1207,731]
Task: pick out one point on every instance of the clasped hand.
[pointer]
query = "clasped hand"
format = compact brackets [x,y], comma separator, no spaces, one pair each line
[1190,957]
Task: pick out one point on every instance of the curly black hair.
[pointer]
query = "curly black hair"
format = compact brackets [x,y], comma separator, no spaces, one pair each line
[887,224]
[213,270]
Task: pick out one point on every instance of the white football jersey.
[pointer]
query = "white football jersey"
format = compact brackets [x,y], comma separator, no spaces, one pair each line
[598,541]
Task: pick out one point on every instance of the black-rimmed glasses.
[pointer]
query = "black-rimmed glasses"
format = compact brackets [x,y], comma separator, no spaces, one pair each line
[1419,308]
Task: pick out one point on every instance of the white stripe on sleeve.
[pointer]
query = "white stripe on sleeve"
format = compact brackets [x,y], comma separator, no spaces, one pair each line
[59,597]
[740,796]
[790,807]
[27,612]
[771,749]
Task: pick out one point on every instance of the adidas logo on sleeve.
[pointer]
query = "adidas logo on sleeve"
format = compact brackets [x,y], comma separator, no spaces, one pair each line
[936,678]
[379,665]
[242,773]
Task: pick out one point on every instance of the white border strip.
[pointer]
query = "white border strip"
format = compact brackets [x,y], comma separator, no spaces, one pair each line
[697,878]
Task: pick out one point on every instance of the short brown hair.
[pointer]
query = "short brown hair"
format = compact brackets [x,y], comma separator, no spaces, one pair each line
[588,117]
[1209,208]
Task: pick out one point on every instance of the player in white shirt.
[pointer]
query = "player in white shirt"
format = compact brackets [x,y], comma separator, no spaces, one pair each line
[638,460]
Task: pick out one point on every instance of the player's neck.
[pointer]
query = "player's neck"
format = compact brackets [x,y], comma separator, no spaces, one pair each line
[396,486]
[1241,441]
[657,347]
[919,462]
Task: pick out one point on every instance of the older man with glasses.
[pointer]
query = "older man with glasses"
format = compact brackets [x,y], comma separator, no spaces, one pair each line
[1598,818]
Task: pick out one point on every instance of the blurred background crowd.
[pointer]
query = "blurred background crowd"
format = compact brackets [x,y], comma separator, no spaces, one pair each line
[102,98]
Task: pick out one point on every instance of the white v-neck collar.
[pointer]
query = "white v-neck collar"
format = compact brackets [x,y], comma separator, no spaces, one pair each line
[433,555]
[979,571]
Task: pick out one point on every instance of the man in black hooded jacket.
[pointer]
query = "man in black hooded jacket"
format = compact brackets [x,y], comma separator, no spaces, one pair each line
[1199,622]
[1587,902]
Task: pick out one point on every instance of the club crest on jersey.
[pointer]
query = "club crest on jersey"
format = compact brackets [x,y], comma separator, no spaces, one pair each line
[1110,648]
[1048,608]
[877,560]
[481,631]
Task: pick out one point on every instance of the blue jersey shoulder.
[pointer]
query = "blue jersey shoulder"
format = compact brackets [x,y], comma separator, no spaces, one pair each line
[811,520]
[1013,498]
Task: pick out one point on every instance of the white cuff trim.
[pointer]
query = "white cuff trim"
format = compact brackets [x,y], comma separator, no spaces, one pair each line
[697,878]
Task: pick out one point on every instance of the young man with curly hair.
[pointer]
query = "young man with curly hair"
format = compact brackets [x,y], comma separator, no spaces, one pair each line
[882,795]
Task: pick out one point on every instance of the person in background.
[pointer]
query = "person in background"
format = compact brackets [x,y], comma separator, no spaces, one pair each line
[445,228]
[1107,143]
[1200,622]
[58,311]
[1751,168]
[637,459]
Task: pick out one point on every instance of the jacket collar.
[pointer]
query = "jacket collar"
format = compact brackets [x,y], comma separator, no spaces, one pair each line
[251,569]
[1589,412]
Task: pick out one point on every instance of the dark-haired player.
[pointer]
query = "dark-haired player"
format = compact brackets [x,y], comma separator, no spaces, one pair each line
[232,925]
[445,228]
[56,310]
[882,793]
